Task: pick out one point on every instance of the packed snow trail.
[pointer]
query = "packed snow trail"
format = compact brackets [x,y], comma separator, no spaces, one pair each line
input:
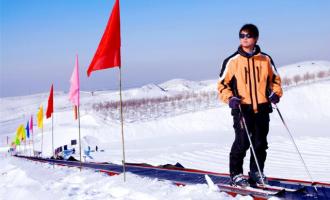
[22,179]
[177,174]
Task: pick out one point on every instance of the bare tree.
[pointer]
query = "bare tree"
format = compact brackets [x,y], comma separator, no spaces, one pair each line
[297,79]
[321,74]
[306,77]
[312,77]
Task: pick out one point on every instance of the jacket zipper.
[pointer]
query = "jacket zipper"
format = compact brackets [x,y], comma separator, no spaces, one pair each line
[246,73]
[255,82]
[250,84]
[258,74]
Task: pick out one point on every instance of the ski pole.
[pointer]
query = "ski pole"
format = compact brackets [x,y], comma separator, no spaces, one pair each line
[291,137]
[251,145]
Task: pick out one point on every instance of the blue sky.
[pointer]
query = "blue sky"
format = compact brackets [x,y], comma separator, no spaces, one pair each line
[161,39]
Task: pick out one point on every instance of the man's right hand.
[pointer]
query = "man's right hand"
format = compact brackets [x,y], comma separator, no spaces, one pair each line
[274,98]
[234,102]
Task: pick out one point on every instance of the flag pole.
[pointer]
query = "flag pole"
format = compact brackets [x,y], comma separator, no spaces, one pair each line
[53,136]
[42,139]
[31,121]
[25,146]
[78,109]
[7,144]
[79,134]
[122,124]
[32,144]
[30,147]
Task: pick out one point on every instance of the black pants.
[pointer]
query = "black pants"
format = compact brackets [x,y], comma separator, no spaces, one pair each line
[258,127]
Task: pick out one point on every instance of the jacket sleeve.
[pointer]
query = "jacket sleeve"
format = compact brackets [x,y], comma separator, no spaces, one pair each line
[226,74]
[274,79]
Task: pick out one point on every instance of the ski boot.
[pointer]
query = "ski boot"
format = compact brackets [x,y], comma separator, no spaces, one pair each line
[239,180]
[256,180]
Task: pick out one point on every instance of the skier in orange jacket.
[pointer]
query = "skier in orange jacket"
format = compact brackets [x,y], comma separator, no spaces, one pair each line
[249,79]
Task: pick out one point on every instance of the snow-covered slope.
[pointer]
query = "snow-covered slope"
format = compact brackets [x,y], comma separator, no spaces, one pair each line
[183,121]
[304,67]
[27,180]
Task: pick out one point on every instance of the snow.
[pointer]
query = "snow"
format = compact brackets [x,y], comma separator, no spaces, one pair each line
[303,68]
[22,179]
[194,129]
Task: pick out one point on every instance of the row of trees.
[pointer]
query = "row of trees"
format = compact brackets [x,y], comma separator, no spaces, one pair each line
[190,101]
[305,78]
[146,108]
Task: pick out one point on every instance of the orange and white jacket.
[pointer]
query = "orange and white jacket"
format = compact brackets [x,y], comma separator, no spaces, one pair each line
[250,77]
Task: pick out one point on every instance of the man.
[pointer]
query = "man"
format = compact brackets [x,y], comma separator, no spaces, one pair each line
[249,83]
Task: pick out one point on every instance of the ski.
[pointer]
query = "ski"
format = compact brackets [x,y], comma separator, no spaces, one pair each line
[254,192]
[274,188]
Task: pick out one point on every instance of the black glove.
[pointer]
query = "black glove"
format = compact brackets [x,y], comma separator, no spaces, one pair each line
[274,98]
[234,102]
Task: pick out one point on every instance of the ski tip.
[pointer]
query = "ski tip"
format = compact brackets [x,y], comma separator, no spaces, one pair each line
[211,184]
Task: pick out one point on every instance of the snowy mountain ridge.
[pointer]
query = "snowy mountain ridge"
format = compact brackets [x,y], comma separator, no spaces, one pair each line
[151,101]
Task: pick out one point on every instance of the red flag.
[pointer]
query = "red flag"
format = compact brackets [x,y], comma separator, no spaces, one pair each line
[50,107]
[108,52]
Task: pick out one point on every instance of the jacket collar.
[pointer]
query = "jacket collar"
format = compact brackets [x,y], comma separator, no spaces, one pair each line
[256,51]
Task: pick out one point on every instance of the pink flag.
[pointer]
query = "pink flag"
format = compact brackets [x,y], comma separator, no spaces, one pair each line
[74,89]
[31,124]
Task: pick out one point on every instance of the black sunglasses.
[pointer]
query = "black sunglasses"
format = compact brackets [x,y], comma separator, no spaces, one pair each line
[242,35]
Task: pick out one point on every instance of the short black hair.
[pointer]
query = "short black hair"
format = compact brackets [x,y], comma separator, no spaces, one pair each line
[251,29]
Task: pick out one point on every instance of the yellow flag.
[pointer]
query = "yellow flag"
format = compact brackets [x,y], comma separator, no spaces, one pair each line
[40,117]
[21,133]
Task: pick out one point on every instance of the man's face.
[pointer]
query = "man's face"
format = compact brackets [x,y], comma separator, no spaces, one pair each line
[247,40]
